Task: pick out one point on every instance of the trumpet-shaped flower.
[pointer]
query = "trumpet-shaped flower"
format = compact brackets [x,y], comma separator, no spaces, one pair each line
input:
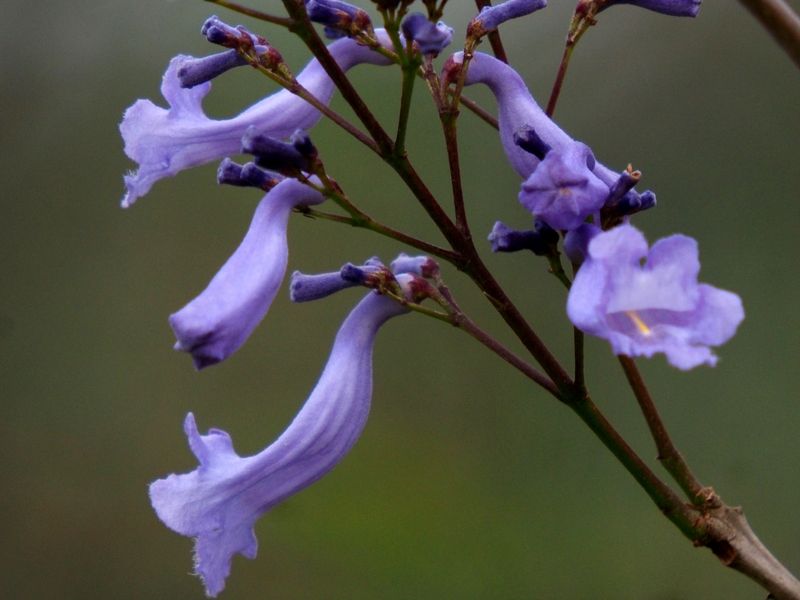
[165,141]
[647,302]
[218,321]
[219,502]
[563,191]
[517,110]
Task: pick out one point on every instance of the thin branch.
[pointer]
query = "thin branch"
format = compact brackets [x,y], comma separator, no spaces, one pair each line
[449,120]
[366,222]
[301,92]
[480,112]
[409,77]
[555,92]
[781,21]
[494,36]
[302,27]
[662,495]
[577,347]
[251,12]
[668,454]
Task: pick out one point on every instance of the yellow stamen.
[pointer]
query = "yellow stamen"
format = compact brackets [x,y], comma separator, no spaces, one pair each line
[640,325]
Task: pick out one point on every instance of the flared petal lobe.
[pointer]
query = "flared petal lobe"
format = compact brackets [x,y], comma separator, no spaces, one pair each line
[165,141]
[218,321]
[563,191]
[219,502]
[648,302]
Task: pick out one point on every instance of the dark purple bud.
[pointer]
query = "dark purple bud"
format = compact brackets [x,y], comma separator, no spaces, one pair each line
[431,38]
[491,17]
[541,240]
[304,288]
[527,139]
[624,201]
[338,15]
[247,175]
[303,144]
[218,32]
[370,275]
[194,71]
[274,154]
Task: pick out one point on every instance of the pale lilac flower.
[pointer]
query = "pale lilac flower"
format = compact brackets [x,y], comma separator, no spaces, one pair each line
[517,110]
[219,502]
[647,302]
[165,141]
[675,8]
[563,191]
[218,321]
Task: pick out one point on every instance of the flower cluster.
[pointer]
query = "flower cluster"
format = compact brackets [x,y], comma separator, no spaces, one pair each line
[641,300]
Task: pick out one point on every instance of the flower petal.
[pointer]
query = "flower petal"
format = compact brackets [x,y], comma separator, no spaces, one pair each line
[219,502]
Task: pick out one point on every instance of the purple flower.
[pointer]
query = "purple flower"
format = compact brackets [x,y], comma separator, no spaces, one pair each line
[646,302]
[219,502]
[218,321]
[165,141]
[563,191]
[431,38]
[491,17]
[675,8]
[518,110]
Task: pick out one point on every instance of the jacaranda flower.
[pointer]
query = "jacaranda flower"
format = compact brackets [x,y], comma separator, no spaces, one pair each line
[516,109]
[675,8]
[563,190]
[431,38]
[491,17]
[218,321]
[647,302]
[219,502]
[165,141]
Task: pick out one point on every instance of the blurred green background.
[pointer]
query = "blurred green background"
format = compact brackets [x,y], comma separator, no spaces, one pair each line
[467,483]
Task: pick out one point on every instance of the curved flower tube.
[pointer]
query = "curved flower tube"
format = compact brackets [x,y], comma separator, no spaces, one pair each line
[165,141]
[674,8]
[517,109]
[219,502]
[655,306]
[218,321]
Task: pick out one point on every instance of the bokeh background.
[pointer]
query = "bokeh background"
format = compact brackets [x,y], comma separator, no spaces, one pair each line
[468,482]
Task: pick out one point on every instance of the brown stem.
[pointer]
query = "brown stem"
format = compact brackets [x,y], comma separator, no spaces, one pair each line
[577,345]
[461,320]
[668,454]
[302,27]
[449,126]
[782,23]
[481,113]
[251,12]
[559,82]
[729,536]
[468,325]
[494,36]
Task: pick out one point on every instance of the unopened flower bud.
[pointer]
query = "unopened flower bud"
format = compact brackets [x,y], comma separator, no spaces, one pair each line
[431,38]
